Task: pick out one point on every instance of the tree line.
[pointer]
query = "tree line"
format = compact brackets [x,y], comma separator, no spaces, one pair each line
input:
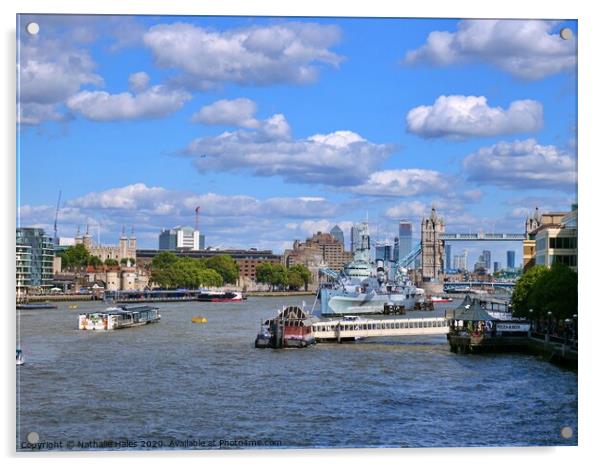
[170,271]
[277,276]
[546,290]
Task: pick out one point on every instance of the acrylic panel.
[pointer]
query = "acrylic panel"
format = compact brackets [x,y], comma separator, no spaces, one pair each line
[295,232]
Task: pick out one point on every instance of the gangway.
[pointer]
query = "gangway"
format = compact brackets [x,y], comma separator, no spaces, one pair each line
[344,329]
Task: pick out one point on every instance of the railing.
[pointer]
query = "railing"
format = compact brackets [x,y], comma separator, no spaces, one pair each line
[480,236]
[411,256]
[380,328]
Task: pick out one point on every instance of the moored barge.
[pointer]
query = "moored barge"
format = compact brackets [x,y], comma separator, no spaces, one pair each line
[291,328]
[119,317]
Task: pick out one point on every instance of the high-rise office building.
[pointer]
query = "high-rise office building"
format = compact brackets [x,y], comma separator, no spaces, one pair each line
[35,256]
[360,237]
[396,249]
[338,234]
[181,238]
[405,238]
[461,261]
[487,259]
[510,259]
[384,251]
[496,267]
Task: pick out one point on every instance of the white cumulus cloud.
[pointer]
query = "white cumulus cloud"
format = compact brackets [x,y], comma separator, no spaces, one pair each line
[337,158]
[139,81]
[236,112]
[413,209]
[228,220]
[459,117]
[50,71]
[403,182]
[283,53]
[154,102]
[523,165]
[527,49]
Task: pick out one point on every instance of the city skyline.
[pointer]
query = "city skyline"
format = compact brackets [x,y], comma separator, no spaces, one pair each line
[297,128]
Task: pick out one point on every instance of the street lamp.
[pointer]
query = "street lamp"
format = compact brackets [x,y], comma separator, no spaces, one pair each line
[531,318]
[549,321]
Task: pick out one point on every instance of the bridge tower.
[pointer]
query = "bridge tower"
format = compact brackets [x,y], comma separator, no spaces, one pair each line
[433,248]
[531,224]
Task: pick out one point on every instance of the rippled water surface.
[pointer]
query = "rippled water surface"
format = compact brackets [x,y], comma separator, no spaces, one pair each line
[182,382]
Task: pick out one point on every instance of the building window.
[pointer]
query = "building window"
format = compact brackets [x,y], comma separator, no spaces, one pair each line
[570,260]
[567,242]
[540,244]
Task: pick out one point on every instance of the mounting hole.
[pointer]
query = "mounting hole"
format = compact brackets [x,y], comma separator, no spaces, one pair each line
[566,34]
[32,28]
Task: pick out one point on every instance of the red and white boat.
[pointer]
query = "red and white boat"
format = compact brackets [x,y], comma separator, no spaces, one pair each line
[438,299]
[220,296]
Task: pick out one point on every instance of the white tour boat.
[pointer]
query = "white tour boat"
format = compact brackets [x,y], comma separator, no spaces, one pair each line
[115,318]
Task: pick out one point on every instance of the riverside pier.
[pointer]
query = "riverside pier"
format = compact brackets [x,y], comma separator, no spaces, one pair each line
[469,328]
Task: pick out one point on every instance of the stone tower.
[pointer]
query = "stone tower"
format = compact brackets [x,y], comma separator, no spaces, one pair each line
[532,222]
[433,252]
[123,245]
[78,237]
[87,240]
[132,246]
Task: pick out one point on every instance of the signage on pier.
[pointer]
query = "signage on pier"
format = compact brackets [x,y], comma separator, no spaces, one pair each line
[510,327]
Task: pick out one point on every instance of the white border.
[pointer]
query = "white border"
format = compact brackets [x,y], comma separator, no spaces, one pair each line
[590,81]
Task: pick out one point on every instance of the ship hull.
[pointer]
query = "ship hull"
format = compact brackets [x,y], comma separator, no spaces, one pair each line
[334,303]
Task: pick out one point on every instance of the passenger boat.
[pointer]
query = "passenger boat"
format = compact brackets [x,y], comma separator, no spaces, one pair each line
[437,299]
[36,306]
[20,360]
[220,296]
[115,318]
[291,328]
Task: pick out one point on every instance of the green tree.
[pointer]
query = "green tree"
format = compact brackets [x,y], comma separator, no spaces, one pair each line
[170,271]
[225,266]
[164,259]
[209,277]
[303,272]
[295,281]
[111,262]
[522,290]
[263,273]
[556,291]
[94,261]
[279,276]
[74,256]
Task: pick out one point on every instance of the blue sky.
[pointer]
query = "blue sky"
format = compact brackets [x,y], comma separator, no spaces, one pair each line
[280,127]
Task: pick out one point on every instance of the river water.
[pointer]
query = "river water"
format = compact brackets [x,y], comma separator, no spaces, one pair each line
[176,384]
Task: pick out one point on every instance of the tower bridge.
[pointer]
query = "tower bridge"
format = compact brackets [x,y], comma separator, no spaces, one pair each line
[433,237]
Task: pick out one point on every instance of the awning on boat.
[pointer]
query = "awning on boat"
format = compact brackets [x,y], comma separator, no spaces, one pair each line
[470,309]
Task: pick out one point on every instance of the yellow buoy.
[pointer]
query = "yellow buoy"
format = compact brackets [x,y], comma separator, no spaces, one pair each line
[199,320]
[72,306]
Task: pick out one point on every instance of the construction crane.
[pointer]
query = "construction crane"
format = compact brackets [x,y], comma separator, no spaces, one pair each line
[196,217]
[56,218]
